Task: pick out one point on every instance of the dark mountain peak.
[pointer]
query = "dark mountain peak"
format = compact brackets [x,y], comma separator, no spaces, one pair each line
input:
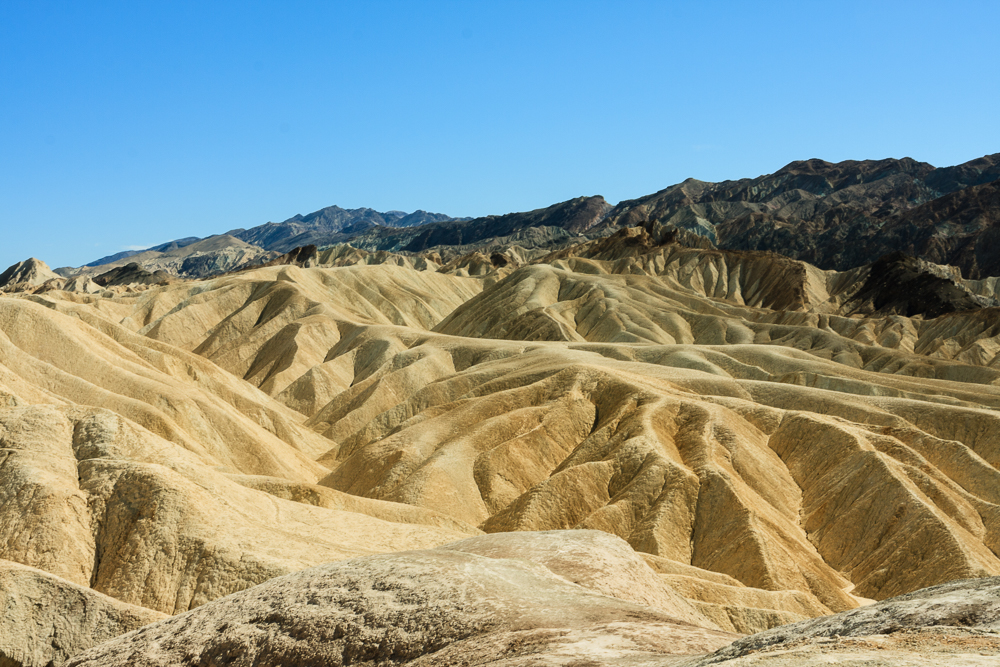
[334,215]
[574,215]
[974,172]
[836,215]
[840,215]
[577,214]
[332,224]
[985,162]
[900,284]
[838,175]
[131,274]
[421,217]
[810,166]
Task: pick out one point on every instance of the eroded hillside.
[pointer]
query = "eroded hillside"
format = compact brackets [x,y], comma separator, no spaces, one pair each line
[776,441]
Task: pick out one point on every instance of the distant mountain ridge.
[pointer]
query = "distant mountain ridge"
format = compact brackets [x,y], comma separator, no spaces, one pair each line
[561,221]
[321,226]
[833,215]
[840,215]
[163,247]
[316,228]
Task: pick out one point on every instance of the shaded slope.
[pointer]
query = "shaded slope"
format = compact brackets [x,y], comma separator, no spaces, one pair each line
[961,229]
[130,274]
[898,284]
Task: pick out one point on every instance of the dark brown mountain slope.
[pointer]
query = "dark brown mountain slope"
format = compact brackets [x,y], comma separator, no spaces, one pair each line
[961,229]
[839,215]
[573,216]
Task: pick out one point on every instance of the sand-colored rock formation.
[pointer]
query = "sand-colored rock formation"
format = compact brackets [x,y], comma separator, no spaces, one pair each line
[547,598]
[44,619]
[957,623]
[345,255]
[773,456]
[552,598]
[103,503]
[23,276]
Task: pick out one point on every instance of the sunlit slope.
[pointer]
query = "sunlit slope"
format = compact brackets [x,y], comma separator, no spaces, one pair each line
[102,502]
[775,459]
[143,471]
[620,302]
[678,461]
[51,357]
[271,325]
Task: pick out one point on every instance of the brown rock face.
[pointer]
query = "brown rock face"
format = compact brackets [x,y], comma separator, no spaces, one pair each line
[841,215]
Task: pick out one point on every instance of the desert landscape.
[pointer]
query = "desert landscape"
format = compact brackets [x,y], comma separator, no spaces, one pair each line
[744,423]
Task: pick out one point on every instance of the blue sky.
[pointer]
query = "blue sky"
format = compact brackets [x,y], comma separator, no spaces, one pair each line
[129,124]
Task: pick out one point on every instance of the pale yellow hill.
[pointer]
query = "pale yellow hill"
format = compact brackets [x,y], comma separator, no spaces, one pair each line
[27,275]
[102,502]
[683,463]
[773,459]
[345,255]
[125,461]
[586,301]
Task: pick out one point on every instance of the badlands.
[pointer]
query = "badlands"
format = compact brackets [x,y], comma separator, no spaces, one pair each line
[630,448]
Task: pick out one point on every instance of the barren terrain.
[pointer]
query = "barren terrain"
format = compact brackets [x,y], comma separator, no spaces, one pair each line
[389,447]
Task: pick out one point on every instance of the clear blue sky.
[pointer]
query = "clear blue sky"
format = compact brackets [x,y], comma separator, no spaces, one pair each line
[132,123]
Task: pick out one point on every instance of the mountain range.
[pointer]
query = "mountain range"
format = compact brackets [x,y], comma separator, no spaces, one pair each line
[832,215]
[841,215]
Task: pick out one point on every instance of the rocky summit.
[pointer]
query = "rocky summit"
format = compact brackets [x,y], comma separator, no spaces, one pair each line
[744,423]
